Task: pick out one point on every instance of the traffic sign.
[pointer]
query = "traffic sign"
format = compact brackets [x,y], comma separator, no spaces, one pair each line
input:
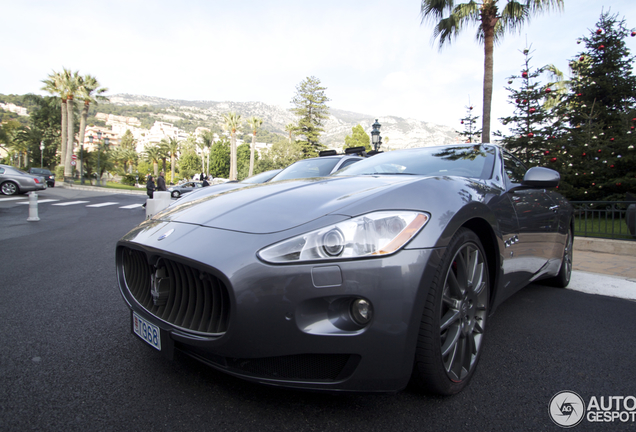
[73,163]
[74,157]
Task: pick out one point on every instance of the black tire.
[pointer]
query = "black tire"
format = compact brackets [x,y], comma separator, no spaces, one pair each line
[9,188]
[562,279]
[175,194]
[453,323]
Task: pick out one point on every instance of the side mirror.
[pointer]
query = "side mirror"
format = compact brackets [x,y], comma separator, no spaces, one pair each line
[539,177]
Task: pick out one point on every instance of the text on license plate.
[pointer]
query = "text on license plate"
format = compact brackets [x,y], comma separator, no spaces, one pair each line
[147,331]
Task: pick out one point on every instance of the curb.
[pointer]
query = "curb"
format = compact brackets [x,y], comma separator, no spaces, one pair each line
[616,247]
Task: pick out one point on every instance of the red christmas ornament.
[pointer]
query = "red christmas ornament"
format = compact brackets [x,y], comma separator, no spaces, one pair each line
[532,110]
[579,94]
[462,121]
[548,90]
[525,101]
[599,150]
[599,31]
[634,119]
[584,155]
[611,139]
[471,107]
[602,47]
[530,135]
[517,100]
[581,58]
[618,184]
[553,159]
[547,152]
[632,127]
[524,74]
[633,33]
[611,166]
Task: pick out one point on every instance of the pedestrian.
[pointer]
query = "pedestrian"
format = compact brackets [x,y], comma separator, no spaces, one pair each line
[161,182]
[202,177]
[150,188]
[205,183]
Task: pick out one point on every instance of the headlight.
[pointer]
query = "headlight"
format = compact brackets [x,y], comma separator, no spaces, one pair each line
[373,234]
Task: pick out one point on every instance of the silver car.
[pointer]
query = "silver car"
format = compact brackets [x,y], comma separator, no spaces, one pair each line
[384,273]
[14,181]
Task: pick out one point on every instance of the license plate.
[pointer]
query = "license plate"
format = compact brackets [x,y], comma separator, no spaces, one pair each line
[149,332]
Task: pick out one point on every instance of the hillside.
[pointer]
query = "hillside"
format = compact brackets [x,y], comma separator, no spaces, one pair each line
[402,133]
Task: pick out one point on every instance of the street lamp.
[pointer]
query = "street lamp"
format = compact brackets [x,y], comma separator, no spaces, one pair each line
[41,154]
[376,139]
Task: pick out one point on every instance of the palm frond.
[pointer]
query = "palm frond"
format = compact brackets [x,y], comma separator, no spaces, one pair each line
[433,10]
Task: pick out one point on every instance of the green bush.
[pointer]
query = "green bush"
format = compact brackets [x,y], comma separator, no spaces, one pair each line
[59,173]
[128,179]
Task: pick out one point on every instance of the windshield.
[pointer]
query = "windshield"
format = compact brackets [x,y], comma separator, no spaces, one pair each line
[474,161]
[262,177]
[317,167]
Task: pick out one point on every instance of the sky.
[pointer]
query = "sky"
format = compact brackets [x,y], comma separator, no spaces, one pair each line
[374,57]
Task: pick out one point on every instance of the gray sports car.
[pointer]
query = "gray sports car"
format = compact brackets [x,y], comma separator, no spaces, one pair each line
[382,274]
[15,181]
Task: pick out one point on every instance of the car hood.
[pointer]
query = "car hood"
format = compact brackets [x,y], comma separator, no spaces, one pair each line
[274,207]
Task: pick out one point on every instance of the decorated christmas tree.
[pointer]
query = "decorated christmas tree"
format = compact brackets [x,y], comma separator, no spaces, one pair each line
[531,124]
[598,159]
[471,132]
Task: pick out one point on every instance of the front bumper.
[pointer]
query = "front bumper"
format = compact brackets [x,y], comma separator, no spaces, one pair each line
[286,325]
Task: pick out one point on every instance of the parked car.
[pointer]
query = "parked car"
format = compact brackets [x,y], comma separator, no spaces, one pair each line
[382,274]
[184,188]
[316,167]
[261,177]
[15,181]
[43,172]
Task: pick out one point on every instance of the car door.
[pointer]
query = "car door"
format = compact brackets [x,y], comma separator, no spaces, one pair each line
[538,220]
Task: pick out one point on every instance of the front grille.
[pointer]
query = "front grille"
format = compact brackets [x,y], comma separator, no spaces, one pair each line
[177,293]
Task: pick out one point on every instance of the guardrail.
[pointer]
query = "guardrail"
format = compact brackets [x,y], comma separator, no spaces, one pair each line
[605,219]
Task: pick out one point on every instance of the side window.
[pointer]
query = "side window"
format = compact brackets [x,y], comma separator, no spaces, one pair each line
[514,168]
[348,162]
[1,170]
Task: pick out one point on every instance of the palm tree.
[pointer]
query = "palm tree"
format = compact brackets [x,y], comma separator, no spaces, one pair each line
[493,24]
[70,86]
[54,86]
[89,91]
[290,128]
[254,123]
[153,154]
[207,138]
[232,124]
[173,149]
[163,153]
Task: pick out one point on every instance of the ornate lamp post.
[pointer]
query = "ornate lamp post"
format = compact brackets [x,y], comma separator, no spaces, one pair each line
[376,139]
[41,154]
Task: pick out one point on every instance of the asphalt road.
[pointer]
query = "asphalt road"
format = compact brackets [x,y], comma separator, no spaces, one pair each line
[69,362]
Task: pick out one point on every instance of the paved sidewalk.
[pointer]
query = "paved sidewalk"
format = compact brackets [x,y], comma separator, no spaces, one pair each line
[605,263]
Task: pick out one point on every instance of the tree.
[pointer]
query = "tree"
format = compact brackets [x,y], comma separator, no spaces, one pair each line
[220,158]
[89,91]
[531,126]
[153,155]
[450,19]
[243,160]
[189,163]
[128,141]
[54,85]
[207,139]
[599,115]
[70,86]
[280,155]
[358,138]
[290,128]
[311,109]
[470,132]
[254,123]
[232,122]
[173,149]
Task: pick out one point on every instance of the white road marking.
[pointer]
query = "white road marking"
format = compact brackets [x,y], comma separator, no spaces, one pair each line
[103,204]
[70,203]
[13,198]
[39,201]
[132,206]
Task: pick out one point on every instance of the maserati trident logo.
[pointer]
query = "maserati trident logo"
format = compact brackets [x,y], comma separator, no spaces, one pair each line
[166,234]
[160,284]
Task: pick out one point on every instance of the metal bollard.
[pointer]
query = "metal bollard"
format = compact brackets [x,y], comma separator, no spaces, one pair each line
[33,207]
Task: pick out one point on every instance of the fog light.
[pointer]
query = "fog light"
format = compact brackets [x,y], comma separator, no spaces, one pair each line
[361,311]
